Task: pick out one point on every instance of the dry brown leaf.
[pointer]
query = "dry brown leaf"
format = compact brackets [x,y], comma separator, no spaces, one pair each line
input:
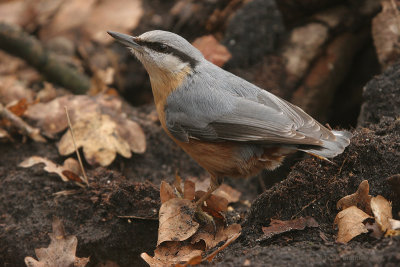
[171,253]
[382,210]
[350,223]
[117,15]
[61,251]
[210,257]
[214,202]
[11,11]
[97,134]
[101,80]
[18,108]
[212,50]
[69,171]
[394,224]
[394,228]
[177,222]
[224,191]
[98,123]
[373,227]
[181,241]
[227,192]
[92,18]
[212,239]
[47,94]
[12,120]
[360,199]
[189,190]
[62,24]
[166,192]
[12,89]
[51,116]
[277,226]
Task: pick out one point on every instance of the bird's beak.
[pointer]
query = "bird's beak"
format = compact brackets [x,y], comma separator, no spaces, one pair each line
[125,39]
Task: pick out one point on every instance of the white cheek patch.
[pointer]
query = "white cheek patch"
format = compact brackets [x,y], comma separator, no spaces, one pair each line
[173,64]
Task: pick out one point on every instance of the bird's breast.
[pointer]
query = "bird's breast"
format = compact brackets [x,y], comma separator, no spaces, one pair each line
[233,159]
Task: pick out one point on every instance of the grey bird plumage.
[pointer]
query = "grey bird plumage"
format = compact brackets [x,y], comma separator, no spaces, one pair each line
[228,108]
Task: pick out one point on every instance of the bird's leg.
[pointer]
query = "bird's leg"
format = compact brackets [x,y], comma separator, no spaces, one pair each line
[215,182]
[200,214]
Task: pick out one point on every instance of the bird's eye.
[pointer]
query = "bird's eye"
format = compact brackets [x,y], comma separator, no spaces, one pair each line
[162,47]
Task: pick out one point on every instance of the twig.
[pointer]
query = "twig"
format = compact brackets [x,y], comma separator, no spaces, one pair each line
[19,43]
[138,217]
[21,125]
[303,208]
[210,257]
[76,149]
[341,166]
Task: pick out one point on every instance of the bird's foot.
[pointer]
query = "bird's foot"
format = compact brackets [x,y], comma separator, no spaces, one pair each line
[205,219]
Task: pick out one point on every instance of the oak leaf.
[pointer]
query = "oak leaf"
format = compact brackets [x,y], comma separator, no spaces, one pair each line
[99,125]
[61,251]
[69,171]
[176,220]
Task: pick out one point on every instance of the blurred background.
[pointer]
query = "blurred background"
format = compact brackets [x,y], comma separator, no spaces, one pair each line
[324,56]
[317,54]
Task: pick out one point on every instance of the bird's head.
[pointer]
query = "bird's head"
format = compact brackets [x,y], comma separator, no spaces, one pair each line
[162,53]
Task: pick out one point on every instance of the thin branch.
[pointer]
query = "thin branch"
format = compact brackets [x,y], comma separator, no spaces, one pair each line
[19,43]
[76,149]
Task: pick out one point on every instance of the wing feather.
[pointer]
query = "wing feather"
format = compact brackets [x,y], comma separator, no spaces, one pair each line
[238,111]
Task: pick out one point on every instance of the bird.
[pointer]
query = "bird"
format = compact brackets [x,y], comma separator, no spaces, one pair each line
[229,126]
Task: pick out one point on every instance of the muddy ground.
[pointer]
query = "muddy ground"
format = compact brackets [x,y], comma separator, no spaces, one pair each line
[130,187]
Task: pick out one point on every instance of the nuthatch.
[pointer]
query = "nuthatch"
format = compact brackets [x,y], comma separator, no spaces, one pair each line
[231,127]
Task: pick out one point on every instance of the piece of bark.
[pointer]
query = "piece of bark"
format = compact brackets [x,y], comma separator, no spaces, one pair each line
[21,125]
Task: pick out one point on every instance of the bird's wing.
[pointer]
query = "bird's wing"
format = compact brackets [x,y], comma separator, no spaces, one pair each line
[242,113]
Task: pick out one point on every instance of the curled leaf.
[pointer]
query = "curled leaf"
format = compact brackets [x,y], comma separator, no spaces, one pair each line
[171,253]
[382,210]
[166,192]
[350,223]
[70,171]
[360,199]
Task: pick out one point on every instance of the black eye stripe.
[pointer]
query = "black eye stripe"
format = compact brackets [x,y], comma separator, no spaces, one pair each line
[166,49]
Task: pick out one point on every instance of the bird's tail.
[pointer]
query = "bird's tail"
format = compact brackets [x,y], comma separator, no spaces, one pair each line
[331,148]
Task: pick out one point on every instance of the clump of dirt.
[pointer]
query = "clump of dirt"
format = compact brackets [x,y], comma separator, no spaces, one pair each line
[314,186]
[381,97]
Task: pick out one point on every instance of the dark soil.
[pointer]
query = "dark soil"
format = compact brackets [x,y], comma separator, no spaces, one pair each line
[130,188]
